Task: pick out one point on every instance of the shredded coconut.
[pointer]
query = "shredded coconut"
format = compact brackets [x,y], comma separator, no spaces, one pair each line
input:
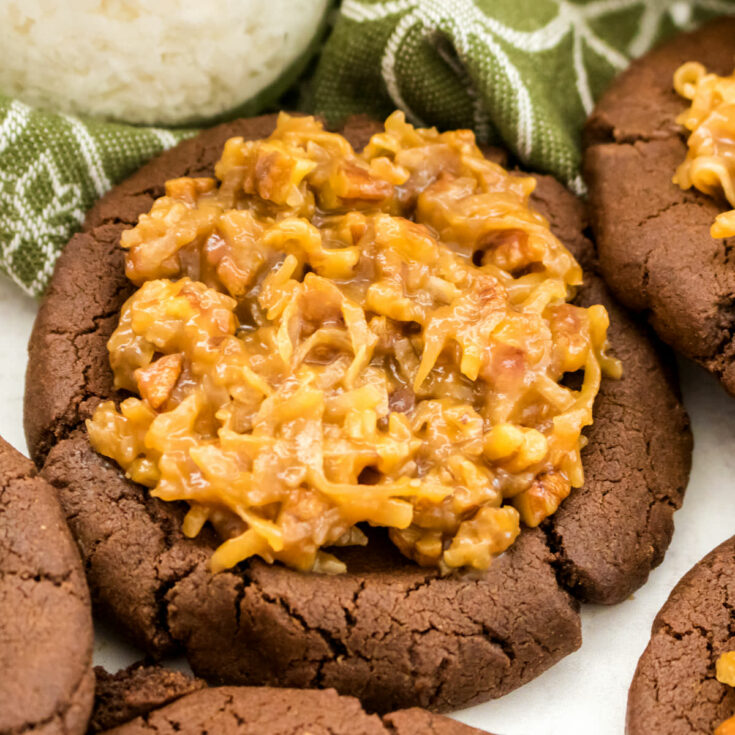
[163,62]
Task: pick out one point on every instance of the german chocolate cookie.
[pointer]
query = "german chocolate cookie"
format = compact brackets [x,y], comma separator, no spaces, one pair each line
[389,632]
[653,238]
[176,703]
[674,690]
[46,680]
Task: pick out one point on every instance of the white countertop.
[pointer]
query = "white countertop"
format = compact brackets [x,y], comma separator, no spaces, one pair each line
[586,692]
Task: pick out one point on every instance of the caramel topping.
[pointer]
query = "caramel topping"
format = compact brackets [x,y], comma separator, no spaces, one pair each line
[323,338]
[725,673]
[725,668]
[710,162]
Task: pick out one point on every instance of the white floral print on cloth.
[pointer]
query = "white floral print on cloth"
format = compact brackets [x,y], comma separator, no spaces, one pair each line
[52,169]
[523,73]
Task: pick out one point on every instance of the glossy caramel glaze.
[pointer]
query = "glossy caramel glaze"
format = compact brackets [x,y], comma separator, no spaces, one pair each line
[323,338]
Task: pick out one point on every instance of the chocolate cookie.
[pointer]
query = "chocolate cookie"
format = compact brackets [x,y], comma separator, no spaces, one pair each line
[674,690]
[388,631]
[417,721]
[134,692]
[46,684]
[273,711]
[655,249]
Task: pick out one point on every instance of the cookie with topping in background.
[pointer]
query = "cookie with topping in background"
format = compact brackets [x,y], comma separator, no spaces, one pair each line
[681,685]
[655,240]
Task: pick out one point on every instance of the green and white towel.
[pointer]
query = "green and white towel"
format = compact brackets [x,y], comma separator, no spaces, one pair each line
[52,169]
[524,73]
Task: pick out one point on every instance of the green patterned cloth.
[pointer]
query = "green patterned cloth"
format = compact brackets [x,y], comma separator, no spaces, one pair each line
[520,72]
[52,169]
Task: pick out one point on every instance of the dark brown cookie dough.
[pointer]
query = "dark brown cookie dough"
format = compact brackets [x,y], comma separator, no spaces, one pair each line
[389,632]
[46,680]
[655,249]
[134,692]
[417,721]
[674,690]
[273,711]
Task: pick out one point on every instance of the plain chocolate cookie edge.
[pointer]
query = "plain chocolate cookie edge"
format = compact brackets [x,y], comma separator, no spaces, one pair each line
[68,374]
[46,635]
[674,690]
[134,692]
[655,249]
[141,688]
[274,711]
